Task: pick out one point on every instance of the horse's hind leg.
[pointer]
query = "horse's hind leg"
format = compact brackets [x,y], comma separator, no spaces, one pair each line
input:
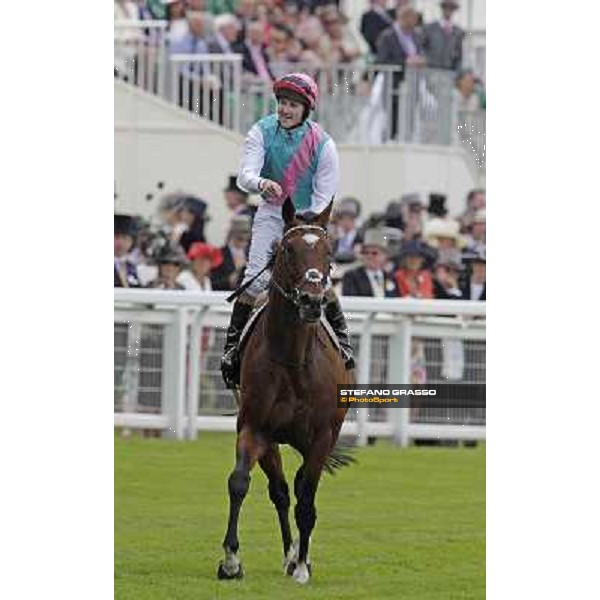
[306,483]
[249,450]
[278,492]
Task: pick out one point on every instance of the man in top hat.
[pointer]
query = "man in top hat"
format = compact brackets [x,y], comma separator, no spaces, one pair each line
[443,40]
[170,260]
[447,272]
[473,287]
[229,274]
[412,279]
[236,198]
[125,235]
[347,234]
[372,278]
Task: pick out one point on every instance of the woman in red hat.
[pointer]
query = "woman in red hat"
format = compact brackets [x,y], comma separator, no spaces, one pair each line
[203,259]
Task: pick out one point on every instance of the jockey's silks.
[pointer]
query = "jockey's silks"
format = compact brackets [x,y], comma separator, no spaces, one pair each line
[291,157]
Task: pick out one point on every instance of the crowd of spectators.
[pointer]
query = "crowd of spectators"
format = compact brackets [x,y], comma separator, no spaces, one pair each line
[412,249]
[271,34]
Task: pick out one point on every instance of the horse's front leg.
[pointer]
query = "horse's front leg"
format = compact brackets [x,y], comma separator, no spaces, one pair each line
[278,492]
[306,490]
[249,449]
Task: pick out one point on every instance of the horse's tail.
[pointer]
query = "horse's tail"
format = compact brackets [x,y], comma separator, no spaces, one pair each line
[340,456]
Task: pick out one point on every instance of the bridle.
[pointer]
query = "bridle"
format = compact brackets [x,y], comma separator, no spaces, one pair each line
[310,275]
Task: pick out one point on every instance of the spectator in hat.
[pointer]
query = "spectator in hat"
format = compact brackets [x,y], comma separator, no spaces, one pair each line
[371,279]
[447,272]
[473,287]
[236,198]
[443,40]
[203,259]
[412,279]
[346,232]
[170,261]
[125,236]
[475,240]
[193,214]
[443,234]
[229,274]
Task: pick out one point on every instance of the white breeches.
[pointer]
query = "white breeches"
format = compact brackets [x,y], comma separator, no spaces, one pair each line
[266,229]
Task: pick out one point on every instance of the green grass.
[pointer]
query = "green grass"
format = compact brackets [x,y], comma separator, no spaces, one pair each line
[401,524]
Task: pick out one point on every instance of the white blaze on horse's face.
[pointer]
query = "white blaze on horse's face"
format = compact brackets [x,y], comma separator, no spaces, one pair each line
[311,239]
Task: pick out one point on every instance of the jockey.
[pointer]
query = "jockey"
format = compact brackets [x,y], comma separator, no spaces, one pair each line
[285,154]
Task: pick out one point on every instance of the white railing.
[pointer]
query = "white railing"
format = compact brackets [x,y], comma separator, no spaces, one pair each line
[141,54]
[208,85]
[168,346]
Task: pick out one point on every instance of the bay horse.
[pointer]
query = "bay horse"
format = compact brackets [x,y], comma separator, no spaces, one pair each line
[289,372]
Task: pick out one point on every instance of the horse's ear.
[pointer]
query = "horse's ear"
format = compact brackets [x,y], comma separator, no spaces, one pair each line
[323,219]
[288,211]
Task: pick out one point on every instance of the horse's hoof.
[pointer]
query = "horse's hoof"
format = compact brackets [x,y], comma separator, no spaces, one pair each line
[289,568]
[302,573]
[223,574]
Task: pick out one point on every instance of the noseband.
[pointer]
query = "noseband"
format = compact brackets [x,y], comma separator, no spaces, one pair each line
[311,275]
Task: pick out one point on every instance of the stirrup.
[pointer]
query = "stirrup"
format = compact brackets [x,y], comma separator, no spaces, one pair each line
[347,358]
[230,367]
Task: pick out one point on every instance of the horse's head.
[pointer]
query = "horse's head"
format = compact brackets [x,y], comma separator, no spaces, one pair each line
[302,261]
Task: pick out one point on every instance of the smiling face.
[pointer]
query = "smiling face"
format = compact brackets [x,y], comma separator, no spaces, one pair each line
[290,112]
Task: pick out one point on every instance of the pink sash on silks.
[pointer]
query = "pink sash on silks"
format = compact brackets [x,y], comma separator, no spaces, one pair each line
[300,164]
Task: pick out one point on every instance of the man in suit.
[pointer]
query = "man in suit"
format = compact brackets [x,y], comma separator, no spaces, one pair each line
[373,22]
[400,45]
[254,57]
[443,40]
[473,287]
[371,279]
[125,234]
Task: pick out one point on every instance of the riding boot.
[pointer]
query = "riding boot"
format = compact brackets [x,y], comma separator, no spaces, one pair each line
[335,316]
[230,360]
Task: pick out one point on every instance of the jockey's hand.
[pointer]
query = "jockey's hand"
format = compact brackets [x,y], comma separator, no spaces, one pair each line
[270,188]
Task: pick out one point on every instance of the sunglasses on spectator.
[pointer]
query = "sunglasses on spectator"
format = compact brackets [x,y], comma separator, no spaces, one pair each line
[371,252]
